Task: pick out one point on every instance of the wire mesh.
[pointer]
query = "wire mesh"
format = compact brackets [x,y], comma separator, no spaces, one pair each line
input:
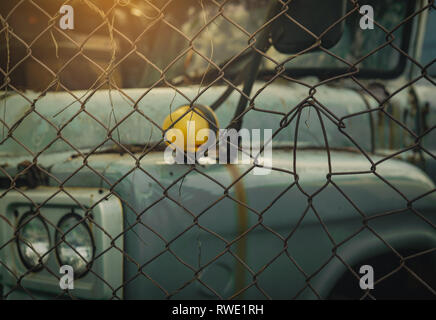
[155,44]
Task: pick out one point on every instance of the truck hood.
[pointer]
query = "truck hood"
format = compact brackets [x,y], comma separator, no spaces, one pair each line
[85,118]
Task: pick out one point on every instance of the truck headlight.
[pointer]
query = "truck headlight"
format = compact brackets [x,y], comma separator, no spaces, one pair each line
[33,241]
[77,249]
[61,234]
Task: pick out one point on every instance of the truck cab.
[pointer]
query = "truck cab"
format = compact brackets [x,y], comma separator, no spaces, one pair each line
[349,182]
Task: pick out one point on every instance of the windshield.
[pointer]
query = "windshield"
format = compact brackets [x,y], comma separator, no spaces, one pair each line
[142,48]
[249,15]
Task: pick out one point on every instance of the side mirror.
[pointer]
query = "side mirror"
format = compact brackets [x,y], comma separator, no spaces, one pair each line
[316,16]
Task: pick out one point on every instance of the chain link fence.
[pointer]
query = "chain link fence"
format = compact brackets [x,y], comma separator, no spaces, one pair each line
[100,91]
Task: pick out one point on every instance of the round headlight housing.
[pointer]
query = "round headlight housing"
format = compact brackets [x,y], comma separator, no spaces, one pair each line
[75,244]
[33,241]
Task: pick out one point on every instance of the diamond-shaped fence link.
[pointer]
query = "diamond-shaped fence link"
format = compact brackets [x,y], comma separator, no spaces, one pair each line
[352,150]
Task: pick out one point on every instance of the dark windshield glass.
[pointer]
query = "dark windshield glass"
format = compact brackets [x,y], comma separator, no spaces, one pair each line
[370,44]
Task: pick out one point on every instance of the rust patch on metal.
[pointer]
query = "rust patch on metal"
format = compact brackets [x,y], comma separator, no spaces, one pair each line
[242,226]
